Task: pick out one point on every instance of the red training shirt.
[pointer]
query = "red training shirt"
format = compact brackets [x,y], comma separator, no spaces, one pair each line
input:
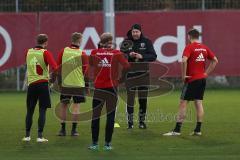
[106,64]
[197,54]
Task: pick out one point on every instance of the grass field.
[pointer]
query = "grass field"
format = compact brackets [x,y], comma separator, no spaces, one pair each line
[220,140]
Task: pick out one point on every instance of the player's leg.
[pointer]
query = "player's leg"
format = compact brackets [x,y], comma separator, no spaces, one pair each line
[44,103]
[65,101]
[200,114]
[31,104]
[181,115]
[186,96]
[97,105]
[41,121]
[75,112]
[142,99]
[199,93]
[111,104]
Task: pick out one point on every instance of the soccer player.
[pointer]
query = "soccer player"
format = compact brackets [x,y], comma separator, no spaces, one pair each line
[72,63]
[142,52]
[105,63]
[38,60]
[194,76]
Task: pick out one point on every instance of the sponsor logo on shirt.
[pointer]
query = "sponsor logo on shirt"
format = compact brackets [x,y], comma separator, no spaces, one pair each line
[200,58]
[105,53]
[200,49]
[104,63]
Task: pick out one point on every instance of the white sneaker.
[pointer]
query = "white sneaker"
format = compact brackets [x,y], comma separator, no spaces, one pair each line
[26,139]
[172,133]
[41,140]
[195,134]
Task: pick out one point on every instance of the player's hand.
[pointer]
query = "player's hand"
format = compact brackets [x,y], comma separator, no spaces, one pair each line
[185,77]
[88,91]
[205,74]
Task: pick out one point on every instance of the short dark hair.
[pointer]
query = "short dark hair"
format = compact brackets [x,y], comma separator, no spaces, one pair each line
[76,36]
[194,33]
[42,38]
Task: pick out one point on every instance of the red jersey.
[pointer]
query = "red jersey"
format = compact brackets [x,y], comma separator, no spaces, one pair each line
[197,54]
[84,59]
[106,64]
[48,59]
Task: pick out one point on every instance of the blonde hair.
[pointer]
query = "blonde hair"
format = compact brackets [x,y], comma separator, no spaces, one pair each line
[104,39]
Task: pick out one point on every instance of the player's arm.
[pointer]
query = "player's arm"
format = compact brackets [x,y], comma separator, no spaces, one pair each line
[85,67]
[85,63]
[184,68]
[122,60]
[125,64]
[213,61]
[48,58]
[186,55]
[212,65]
[59,67]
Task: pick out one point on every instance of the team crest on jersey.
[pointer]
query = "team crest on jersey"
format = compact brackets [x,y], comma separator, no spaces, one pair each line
[143,45]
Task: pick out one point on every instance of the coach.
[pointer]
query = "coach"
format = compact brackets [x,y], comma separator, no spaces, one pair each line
[141,53]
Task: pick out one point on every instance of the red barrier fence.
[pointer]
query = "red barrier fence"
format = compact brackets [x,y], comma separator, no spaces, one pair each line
[167,30]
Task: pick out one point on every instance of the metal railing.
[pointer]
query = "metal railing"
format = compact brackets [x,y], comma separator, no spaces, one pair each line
[120,5]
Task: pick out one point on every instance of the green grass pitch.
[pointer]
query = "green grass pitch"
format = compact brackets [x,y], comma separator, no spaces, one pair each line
[220,140]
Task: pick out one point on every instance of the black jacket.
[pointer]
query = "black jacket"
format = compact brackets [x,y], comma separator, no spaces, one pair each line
[142,46]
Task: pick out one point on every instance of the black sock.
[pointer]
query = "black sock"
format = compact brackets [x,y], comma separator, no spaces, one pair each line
[198,127]
[74,126]
[63,126]
[178,127]
[27,134]
[107,144]
[40,135]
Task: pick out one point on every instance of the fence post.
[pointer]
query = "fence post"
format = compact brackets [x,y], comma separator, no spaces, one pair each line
[203,5]
[109,17]
[18,68]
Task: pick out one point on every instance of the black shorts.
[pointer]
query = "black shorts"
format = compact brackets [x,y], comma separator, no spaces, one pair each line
[76,99]
[38,91]
[194,90]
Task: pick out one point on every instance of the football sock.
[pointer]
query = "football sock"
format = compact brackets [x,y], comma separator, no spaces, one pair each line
[63,125]
[178,127]
[198,127]
[74,126]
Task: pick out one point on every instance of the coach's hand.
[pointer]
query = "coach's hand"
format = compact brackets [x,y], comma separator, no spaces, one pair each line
[138,56]
[132,54]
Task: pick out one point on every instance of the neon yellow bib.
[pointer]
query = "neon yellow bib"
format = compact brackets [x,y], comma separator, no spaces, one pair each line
[72,75]
[35,58]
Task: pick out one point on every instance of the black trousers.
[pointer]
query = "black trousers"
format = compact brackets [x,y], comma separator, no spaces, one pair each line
[37,92]
[109,97]
[137,82]
[142,100]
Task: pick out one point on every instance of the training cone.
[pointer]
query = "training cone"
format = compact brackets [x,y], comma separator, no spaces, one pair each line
[116,125]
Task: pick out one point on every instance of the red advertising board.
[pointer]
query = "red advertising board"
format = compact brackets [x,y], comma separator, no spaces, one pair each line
[167,30]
